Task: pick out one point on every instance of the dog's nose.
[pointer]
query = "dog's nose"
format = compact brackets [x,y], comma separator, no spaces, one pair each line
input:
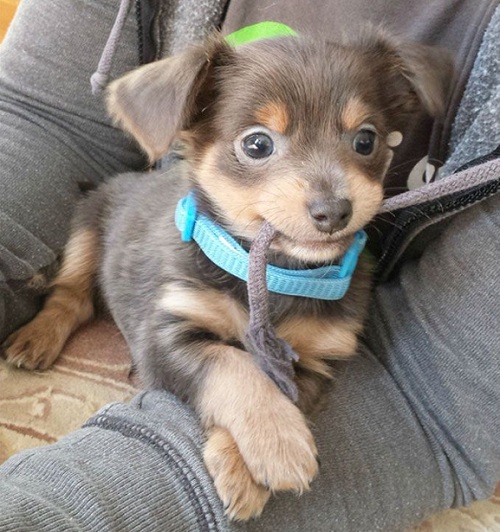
[330,215]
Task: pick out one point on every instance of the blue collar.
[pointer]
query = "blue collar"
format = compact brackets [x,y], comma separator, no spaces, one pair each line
[327,282]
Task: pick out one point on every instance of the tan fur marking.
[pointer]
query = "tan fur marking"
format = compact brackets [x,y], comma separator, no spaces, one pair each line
[281,200]
[240,494]
[317,339]
[238,203]
[283,203]
[366,196]
[208,309]
[273,115]
[38,344]
[354,114]
[80,261]
[269,430]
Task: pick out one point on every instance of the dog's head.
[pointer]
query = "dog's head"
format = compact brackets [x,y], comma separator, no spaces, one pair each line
[289,130]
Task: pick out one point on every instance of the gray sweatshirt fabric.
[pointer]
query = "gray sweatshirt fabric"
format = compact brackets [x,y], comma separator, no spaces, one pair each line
[412,423]
[149,451]
[475,131]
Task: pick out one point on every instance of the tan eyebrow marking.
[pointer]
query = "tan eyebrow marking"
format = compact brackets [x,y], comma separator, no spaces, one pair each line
[273,115]
[355,113]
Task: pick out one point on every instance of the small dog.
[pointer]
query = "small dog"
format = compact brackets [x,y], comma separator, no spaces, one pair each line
[292,131]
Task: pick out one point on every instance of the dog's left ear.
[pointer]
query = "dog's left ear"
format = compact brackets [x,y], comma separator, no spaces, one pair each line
[429,71]
[414,76]
[154,102]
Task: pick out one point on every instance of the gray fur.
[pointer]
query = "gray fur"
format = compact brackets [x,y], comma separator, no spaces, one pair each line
[143,253]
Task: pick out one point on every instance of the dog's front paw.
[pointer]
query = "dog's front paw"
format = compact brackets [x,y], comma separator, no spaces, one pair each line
[241,496]
[280,451]
[34,346]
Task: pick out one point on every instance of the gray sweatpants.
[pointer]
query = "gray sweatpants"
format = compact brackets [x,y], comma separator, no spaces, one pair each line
[55,137]
[412,424]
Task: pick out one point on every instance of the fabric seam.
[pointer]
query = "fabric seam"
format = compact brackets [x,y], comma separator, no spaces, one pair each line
[184,471]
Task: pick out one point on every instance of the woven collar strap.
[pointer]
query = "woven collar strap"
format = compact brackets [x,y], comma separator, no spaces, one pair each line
[327,282]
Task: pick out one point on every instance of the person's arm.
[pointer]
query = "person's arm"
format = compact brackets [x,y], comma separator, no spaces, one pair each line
[132,467]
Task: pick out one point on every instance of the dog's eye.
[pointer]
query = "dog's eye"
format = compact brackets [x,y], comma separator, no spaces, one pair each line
[364,142]
[258,145]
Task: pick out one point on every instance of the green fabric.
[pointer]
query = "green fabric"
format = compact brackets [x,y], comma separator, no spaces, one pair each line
[261,30]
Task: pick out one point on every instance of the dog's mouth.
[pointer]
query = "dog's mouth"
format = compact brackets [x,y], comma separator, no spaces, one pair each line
[308,251]
[321,250]
[322,244]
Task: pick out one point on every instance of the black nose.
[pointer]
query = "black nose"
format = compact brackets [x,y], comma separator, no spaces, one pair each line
[330,215]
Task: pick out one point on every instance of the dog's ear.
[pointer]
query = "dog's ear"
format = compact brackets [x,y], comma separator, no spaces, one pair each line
[429,70]
[154,102]
[415,76]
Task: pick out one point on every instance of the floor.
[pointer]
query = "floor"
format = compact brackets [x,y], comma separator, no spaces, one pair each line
[7,10]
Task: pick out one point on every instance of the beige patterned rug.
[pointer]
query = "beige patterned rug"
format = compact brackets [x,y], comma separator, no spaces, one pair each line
[37,408]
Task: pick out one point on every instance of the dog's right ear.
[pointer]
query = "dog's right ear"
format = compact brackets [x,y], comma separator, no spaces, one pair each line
[154,102]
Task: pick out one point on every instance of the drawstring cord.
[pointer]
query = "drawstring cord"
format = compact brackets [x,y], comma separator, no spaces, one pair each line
[100,77]
[274,355]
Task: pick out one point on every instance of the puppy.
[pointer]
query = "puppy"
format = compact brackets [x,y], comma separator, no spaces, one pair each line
[292,131]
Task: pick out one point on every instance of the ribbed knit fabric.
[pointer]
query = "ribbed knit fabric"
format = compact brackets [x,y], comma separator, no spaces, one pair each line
[148,451]
[475,131]
[55,137]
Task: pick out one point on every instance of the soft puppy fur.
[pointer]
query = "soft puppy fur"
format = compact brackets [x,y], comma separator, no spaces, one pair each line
[292,130]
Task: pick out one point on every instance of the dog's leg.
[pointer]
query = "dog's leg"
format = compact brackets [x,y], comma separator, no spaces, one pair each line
[269,431]
[313,388]
[258,440]
[318,340]
[70,304]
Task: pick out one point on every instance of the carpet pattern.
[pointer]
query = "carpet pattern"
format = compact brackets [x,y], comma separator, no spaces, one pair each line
[37,408]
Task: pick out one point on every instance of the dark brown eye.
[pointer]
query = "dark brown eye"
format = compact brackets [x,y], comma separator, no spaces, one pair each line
[258,145]
[364,142]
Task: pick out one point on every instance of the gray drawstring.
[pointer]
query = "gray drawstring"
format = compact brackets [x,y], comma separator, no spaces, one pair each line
[274,355]
[464,180]
[100,77]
